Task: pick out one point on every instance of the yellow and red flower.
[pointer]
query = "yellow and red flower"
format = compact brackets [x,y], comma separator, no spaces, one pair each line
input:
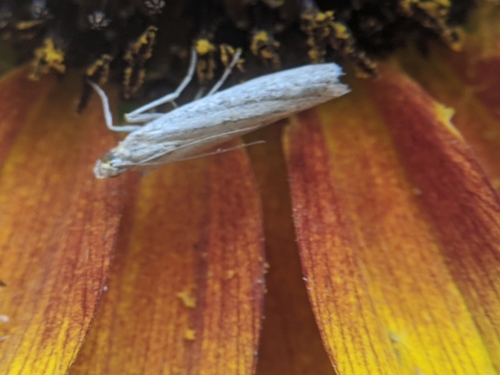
[393,190]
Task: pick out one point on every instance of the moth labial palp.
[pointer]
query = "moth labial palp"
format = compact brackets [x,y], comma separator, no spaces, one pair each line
[194,127]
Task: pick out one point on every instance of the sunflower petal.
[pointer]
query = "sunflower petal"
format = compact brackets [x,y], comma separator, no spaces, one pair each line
[187,291]
[57,223]
[377,256]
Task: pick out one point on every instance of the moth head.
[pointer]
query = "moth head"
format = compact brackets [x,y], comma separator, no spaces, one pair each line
[108,166]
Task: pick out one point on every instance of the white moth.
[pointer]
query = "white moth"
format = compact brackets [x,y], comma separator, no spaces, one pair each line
[192,128]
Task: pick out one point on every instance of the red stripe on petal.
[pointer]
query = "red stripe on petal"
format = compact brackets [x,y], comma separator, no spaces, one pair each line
[472,94]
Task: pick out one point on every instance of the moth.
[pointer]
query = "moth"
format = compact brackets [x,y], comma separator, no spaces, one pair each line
[187,131]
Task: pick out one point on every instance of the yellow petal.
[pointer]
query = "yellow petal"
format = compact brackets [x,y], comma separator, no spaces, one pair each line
[187,289]
[57,223]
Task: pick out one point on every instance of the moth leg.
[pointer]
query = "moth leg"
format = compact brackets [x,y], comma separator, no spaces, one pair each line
[135,116]
[221,81]
[199,93]
[144,117]
[108,117]
[227,72]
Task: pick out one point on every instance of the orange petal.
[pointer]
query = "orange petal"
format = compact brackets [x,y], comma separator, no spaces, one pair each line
[290,342]
[57,223]
[187,291]
[377,274]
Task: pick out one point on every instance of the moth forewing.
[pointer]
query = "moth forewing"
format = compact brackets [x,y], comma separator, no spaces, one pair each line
[212,120]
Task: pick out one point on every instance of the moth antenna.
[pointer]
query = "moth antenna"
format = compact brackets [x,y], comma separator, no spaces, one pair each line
[216,152]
